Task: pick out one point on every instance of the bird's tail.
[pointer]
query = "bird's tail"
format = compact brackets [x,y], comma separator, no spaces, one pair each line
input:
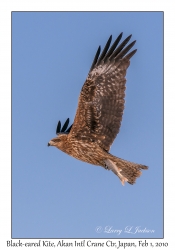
[125,170]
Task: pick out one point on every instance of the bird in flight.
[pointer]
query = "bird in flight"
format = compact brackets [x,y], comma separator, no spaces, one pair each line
[99,113]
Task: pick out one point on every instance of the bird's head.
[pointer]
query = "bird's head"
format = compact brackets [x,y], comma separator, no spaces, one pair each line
[59,141]
[62,133]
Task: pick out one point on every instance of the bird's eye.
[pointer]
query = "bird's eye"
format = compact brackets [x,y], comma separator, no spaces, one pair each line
[56,140]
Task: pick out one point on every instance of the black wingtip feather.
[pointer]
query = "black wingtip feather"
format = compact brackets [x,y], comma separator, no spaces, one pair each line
[125,50]
[129,55]
[58,127]
[114,45]
[65,125]
[105,50]
[113,52]
[120,47]
[95,58]
[59,130]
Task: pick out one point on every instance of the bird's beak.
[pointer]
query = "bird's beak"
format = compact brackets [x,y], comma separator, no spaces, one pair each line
[48,144]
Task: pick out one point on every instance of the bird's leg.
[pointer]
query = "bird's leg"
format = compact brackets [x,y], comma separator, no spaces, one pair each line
[112,166]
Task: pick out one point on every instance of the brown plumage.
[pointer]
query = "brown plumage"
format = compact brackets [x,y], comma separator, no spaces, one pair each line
[99,113]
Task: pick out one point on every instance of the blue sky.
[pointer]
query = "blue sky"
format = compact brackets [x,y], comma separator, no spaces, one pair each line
[53,194]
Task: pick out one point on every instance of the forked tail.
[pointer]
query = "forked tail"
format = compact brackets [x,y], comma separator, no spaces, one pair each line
[125,170]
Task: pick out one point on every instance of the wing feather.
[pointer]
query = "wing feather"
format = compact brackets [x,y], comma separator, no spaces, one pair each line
[101,101]
[95,58]
[65,125]
[113,46]
[104,50]
[58,128]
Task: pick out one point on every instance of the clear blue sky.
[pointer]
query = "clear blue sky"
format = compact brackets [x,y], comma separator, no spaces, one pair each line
[53,194]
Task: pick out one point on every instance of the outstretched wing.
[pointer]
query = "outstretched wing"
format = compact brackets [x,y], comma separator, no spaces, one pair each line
[101,101]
